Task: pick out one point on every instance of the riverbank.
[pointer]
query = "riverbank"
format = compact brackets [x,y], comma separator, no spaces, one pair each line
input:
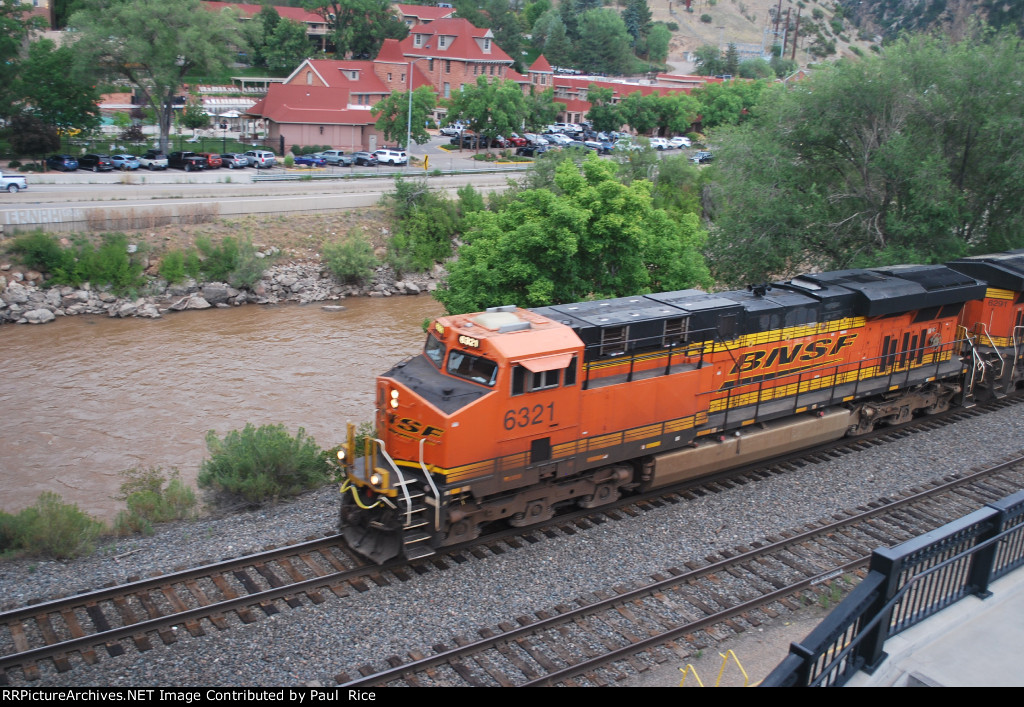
[296,273]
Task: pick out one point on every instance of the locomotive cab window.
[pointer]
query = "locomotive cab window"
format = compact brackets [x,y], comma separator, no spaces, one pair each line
[526,381]
[472,368]
[434,349]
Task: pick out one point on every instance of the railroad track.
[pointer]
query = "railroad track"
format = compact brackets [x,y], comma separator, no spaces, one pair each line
[605,638]
[79,629]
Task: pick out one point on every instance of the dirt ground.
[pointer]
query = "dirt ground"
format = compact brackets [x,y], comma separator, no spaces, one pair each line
[301,237]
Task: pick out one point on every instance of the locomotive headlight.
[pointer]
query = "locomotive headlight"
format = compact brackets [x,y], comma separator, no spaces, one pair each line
[394,398]
[341,455]
[375,479]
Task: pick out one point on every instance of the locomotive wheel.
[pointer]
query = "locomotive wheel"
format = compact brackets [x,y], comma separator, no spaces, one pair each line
[536,512]
[603,494]
[462,531]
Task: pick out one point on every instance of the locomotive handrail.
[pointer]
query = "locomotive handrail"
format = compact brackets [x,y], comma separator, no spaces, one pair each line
[437,494]
[401,477]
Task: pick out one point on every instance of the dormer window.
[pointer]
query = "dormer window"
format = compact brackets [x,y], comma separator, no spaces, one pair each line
[442,42]
[354,75]
[487,44]
[417,40]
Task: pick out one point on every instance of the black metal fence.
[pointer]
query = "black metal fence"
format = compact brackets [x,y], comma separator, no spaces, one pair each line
[907,584]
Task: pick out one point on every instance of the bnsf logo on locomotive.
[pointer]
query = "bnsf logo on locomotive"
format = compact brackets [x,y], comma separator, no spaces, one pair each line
[786,354]
[407,427]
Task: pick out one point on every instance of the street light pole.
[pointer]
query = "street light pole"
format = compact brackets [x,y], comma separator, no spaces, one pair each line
[408,125]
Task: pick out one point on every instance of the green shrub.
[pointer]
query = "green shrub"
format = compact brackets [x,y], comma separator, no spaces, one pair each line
[254,465]
[40,251]
[152,498]
[51,528]
[172,266]
[706,19]
[289,161]
[351,261]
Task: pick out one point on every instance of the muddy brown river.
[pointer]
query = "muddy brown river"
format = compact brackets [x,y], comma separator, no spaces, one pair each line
[83,398]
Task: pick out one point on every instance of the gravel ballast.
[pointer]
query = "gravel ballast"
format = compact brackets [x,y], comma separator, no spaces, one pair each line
[310,645]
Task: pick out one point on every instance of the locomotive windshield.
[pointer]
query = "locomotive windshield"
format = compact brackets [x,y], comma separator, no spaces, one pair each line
[473,368]
[434,349]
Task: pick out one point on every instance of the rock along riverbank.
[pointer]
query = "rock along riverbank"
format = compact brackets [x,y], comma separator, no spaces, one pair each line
[25,298]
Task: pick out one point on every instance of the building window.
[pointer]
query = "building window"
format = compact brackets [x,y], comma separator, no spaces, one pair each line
[389,76]
[487,44]
[447,90]
[430,65]
[417,40]
[492,69]
[543,79]
[442,42]
[309,78]
[447,66]
[402,79]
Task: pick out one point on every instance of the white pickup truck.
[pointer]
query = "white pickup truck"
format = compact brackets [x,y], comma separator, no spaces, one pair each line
[12,183]
[153,160]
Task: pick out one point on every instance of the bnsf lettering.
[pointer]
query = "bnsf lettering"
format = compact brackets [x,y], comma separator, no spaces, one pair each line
[407,427]
[784,355]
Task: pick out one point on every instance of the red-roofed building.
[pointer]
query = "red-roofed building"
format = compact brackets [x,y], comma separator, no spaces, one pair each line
[316,27]
[413,15]
[316,115]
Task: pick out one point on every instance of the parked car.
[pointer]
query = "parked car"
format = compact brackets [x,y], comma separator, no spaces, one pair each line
[516,140]
[601,148]
[336,157]
[659,143]
[679,142]
[188,161]
[453,130]
[153,160]
[392,155]
[364,159]
[532,150]
[310,161]
[234,160]
[702,157]
[559,139]
[125,162]
[63,163]
[97,163]
[535,139]
[12,183]
[261,159]
[213,160]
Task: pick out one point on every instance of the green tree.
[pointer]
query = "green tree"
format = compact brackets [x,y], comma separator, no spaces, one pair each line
[155,44]
[911,156]
[727,103]
[393,120]
[287,46]
[637,18]
[15,26]
[640,112]
[358,27]
[657,43]
[596,238]
[708,61]
[604,43]
[55,89]
[490,108]
[193,116]
[604,115]
[541,108]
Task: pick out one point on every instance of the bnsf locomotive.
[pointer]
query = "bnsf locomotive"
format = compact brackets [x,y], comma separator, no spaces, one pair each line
[509,413]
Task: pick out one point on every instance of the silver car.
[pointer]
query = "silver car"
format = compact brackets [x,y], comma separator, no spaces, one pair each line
[234,160]
[260,158]
[336,157]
